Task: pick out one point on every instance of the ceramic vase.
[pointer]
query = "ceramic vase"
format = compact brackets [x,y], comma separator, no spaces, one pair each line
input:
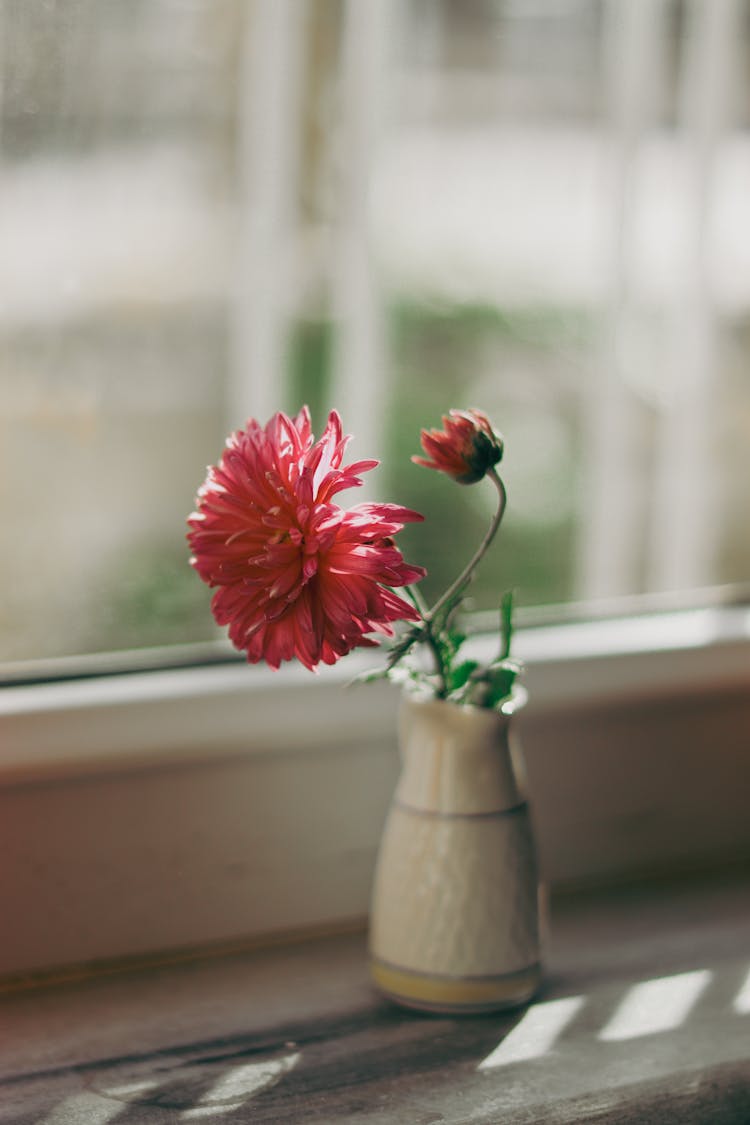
[454,920]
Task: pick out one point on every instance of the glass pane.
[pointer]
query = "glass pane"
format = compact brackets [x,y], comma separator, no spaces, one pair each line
[115,206]
[211,209]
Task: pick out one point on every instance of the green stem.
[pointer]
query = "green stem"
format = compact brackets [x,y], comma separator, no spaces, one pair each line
[416,596]
[437,655]
[428,615]
[473,563]
[429,639]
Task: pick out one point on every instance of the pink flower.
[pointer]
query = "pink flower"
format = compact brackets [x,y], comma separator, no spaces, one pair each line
[465,448]
[297,576]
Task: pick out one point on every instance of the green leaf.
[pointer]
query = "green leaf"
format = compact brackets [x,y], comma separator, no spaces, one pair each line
[400,648]
[493,684]
[460,674]
[456,638]
[369,677]
[506,624]
[447,611]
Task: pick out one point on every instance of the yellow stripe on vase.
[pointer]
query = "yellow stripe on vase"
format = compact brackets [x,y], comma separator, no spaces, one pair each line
[430,992]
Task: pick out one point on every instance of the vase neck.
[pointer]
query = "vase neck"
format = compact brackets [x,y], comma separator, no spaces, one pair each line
[456,760]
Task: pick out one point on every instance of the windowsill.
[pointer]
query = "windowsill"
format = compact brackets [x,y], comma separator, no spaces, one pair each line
[199,807]
[196,713]
[316,1042]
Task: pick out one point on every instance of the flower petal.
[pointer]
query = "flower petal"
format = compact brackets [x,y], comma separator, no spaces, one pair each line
[297,576]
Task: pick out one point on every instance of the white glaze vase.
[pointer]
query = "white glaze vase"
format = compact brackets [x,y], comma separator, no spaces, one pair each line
[454,922]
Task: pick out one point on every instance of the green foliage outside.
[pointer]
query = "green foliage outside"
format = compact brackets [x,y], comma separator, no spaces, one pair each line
[435,351]
[438,352]
[155,598]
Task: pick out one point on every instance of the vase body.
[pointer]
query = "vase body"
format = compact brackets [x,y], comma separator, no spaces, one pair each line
[454,921]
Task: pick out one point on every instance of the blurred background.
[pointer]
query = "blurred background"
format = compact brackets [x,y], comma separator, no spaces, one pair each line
[211,209]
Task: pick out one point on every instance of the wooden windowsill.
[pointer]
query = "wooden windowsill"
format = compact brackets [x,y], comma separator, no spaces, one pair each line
[296,1033]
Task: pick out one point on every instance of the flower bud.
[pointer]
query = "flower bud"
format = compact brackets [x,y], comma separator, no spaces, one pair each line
[465,449]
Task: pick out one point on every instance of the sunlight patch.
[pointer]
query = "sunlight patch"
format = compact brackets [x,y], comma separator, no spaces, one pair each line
[129,1088]
[239,1084]
[742,999]
[535,1034]
[87,1107]
[657,1005]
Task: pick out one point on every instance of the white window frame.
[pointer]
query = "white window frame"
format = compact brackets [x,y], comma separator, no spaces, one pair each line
[200,807]
[145,812]
[176,715]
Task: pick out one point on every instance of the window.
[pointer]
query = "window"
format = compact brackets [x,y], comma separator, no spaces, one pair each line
[217,209]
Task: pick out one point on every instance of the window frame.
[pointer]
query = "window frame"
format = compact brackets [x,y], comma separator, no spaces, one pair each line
[317,763]
[200,710]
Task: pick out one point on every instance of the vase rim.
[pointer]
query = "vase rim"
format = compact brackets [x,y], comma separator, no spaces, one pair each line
[509,706]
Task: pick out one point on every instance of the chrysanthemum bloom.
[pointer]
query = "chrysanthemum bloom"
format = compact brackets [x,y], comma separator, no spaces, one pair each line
[297,575]
[465,448]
